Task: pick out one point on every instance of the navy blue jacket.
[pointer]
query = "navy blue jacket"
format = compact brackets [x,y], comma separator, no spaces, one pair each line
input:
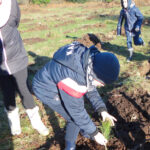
[132,16]
[65,78]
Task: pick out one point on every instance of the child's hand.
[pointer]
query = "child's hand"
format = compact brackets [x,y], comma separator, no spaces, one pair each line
[100,139]
[137,29]
[106,116]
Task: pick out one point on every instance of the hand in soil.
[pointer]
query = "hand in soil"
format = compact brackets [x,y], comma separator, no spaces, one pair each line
[100,139]
[106,116]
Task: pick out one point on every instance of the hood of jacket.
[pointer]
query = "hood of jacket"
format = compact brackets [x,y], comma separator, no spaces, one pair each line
[74,56]
[5,10]
[130,4]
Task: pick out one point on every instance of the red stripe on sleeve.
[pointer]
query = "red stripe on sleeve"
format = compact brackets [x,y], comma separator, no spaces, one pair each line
[69,90]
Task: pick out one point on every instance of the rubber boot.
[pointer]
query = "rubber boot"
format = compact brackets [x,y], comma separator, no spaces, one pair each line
[143,43]
[14,121]
[70,146]
[36,121]
[130,54]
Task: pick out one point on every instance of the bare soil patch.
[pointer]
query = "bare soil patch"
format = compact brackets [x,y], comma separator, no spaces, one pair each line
[142,3]
[89,40]
[144,68]
[146,22]
[133,114]
[31,41]
[38,27]
[103,5]
[26,20]
[65,23]
[98,25]
[95,39]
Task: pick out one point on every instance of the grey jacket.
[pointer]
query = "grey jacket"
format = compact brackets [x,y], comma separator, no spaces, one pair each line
[13,56]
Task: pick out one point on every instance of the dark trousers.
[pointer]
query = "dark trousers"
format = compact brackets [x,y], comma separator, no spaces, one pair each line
[10,84]
[136,38]
[72,130]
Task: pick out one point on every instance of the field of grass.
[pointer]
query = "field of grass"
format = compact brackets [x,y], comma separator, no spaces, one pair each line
[46,28]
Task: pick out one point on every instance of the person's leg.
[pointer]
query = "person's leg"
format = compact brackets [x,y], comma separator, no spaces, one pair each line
[7,85]
[72,130]
[8,88]
[138,40]
[129,39]
[28,102]
[21,82]
[129,45]
[36,121]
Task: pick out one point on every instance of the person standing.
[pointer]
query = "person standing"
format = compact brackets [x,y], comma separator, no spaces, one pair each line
[13,70]
[133,22]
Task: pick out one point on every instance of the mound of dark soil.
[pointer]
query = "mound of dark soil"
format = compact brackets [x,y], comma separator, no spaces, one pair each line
[133,115]
[132,130]
[96,39]
[89,40]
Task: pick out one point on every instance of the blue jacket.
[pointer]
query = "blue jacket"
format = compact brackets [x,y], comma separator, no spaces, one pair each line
[132,16]
[65,78]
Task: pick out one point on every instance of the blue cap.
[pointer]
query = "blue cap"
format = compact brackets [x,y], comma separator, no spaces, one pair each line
[106,67]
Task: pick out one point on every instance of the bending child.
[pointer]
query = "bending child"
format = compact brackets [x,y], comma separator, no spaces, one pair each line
[133,21]
[74,73]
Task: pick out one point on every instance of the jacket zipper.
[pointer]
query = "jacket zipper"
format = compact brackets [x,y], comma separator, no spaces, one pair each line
[4,52]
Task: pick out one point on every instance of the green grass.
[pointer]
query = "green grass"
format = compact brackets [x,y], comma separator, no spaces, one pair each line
[72,21]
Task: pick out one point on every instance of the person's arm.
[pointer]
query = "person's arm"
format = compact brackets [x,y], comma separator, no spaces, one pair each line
[18,15]
[120,20]
[96,101]
[100,106]
[139,21]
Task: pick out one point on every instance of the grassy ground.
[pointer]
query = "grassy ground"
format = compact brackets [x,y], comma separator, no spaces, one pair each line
[44,29]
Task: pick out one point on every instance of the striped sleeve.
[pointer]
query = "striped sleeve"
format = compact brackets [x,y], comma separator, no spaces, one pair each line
[72,88]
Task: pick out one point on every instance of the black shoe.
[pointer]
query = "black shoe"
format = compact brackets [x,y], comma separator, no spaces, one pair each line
[129,59]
